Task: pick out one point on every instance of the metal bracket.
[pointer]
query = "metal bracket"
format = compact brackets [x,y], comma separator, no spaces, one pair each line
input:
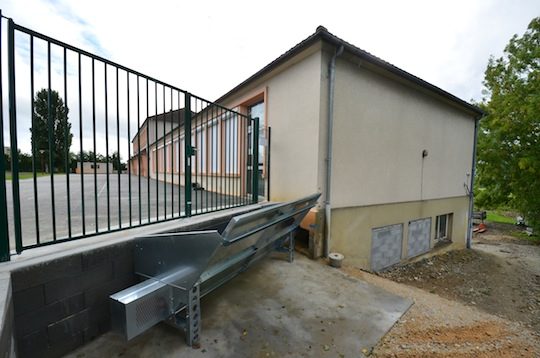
[290,249]
[193,317]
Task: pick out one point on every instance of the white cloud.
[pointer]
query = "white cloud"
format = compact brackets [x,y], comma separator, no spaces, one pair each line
[208,47]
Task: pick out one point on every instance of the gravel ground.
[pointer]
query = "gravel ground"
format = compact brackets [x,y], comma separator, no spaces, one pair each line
[483,302]
[500,275]
[438,327]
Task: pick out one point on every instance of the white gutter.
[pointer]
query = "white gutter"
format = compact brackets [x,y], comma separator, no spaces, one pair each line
[330,120]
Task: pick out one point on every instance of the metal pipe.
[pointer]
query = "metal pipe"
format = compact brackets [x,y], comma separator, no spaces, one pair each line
[330,124]
[471,187]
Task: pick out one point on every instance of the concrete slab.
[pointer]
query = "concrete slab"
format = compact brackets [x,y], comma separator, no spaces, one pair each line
[275,309]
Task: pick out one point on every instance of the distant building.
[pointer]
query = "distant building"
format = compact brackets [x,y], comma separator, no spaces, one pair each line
[88,168]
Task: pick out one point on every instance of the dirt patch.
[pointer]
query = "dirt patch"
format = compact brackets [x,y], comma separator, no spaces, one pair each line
[439,327]
[498,276]
[483,302]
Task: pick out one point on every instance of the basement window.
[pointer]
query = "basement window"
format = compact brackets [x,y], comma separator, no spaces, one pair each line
[443,225]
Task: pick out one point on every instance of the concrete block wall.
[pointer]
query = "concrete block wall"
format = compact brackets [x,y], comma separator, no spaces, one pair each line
[61,304]
[7,341]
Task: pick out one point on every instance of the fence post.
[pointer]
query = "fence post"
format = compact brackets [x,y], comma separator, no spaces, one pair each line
[13,137]
[4,231]
[188,152]
[255,162]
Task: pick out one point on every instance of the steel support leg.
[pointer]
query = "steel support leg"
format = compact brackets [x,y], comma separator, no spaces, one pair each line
[193,317]
[291,246]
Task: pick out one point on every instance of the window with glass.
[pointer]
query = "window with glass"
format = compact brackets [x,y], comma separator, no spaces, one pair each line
[443,227]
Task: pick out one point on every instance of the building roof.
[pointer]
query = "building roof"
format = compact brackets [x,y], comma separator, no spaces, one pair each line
[176,118]
[322,34]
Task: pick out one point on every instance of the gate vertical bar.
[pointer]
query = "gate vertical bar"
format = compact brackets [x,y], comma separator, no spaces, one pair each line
[13,138]
[179,156]
[187,154]
[66,147]
[139,171]
[50,130]
[94,143]
[164,158]
[157,149]
[107,150]
[255,161]
[129,148]
[172,157]
[118,166]
[33,141]
[83,221]
[147,154]
[4,231]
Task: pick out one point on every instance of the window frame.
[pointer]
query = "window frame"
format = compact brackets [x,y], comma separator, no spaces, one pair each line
[447,222]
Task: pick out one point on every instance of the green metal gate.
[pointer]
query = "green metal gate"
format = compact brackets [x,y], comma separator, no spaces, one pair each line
[110,148]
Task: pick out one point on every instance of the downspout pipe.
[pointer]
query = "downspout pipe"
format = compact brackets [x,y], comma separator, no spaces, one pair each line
[330,127]
[471,187]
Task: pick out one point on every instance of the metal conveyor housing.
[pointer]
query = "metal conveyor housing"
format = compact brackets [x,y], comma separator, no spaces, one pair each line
[180,268]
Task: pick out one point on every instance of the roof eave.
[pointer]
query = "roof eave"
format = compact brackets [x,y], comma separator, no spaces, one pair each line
[323,35]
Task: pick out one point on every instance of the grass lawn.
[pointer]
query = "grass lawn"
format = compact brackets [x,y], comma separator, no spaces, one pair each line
[497,217]
[25,175]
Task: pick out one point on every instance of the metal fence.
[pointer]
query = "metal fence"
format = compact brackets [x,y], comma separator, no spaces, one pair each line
[96,147]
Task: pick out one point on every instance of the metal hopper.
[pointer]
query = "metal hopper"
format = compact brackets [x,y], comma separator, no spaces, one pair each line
[180,268]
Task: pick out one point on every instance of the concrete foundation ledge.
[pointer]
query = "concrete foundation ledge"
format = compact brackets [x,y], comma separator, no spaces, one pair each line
[7,341]
[54,299]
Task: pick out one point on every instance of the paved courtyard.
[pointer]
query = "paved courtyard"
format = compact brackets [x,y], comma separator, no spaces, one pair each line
[165,201]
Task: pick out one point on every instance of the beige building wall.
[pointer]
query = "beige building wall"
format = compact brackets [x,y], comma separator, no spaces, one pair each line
[381,127]
[351,227]
[379,176]
[292,98]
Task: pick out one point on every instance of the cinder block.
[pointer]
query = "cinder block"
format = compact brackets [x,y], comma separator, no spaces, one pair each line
[99,295]
[123,264]
[99,256]
[33,344]
[99,314]
[91,332]
[28,300]
[69,344]
[68,327]
[56,290]
[45,315]
[35,275]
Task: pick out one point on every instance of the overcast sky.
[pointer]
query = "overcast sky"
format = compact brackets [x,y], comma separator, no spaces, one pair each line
[208,47]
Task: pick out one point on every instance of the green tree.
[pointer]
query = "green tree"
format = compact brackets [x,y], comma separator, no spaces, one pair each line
[509,136]
[116,161]
[61,129]
[88,156]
